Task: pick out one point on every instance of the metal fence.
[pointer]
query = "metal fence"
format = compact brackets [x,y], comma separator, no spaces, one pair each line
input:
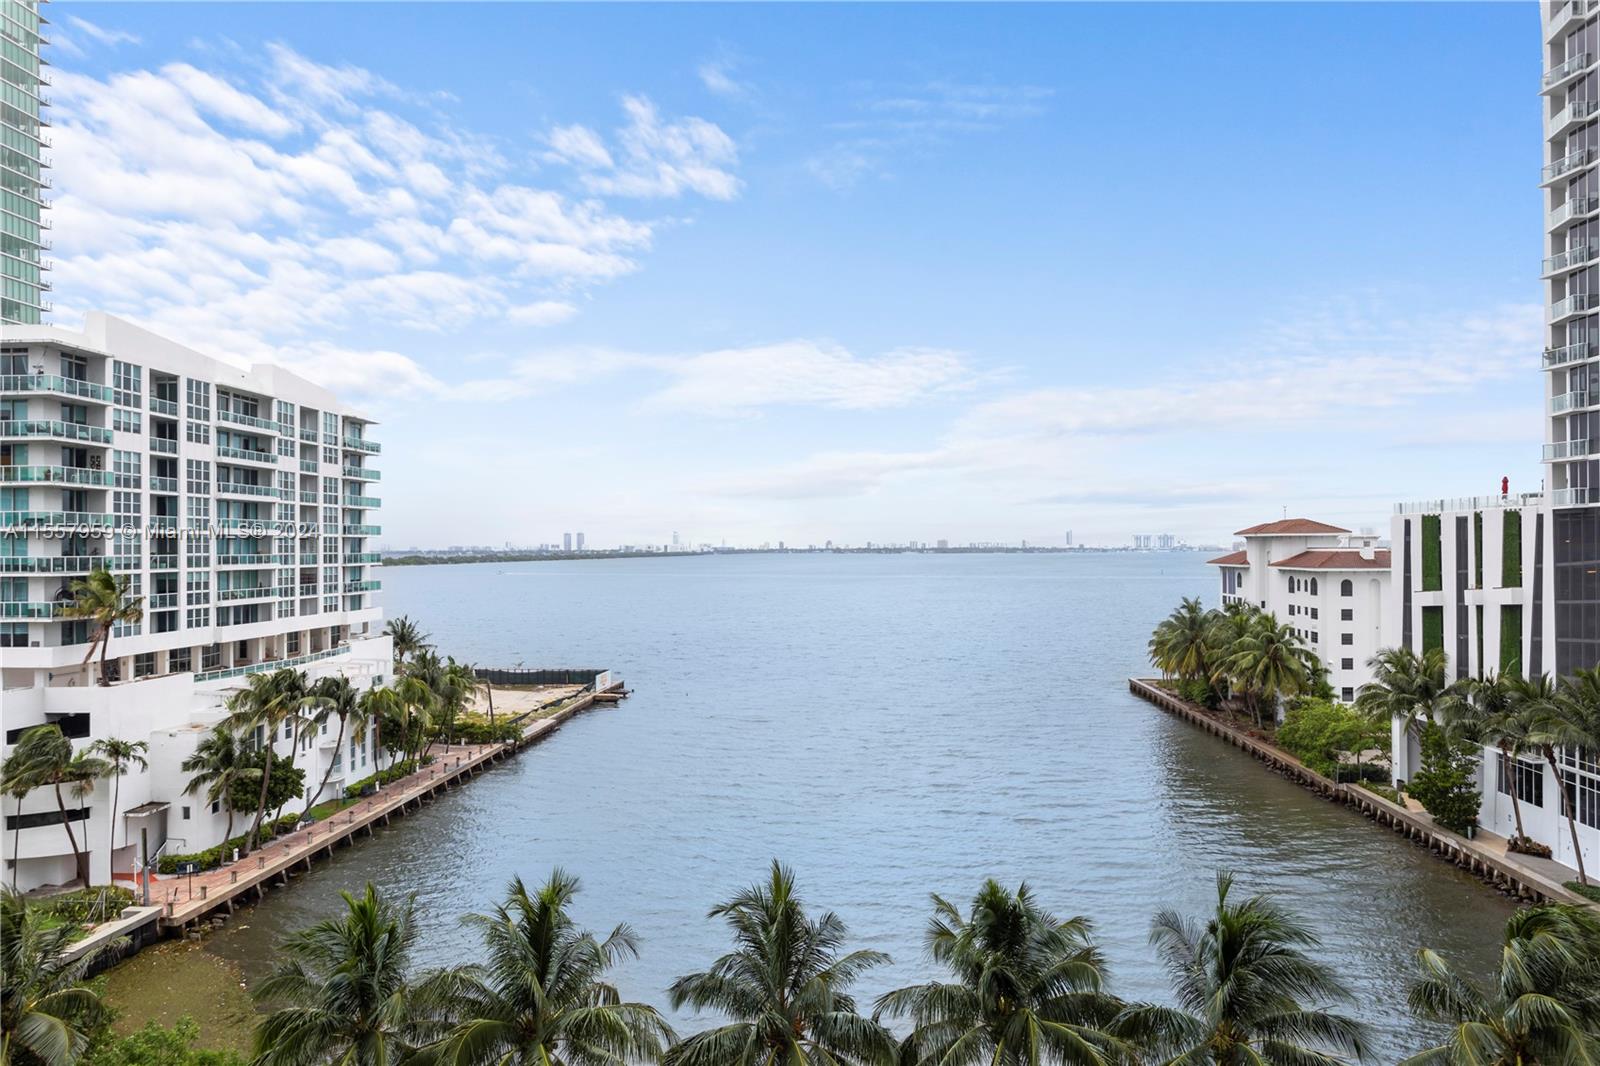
[539,677]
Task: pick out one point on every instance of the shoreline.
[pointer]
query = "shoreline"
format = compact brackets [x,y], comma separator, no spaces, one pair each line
[1495,868]
[425,559]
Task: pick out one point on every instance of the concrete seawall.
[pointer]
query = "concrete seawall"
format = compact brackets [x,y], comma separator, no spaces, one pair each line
[1504,871]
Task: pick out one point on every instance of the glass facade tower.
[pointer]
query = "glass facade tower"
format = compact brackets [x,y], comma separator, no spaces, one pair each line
[23,225]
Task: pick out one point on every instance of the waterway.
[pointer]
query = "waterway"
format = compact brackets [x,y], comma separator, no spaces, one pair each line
[890,726]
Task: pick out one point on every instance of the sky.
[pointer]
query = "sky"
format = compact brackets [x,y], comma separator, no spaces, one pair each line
[828,272]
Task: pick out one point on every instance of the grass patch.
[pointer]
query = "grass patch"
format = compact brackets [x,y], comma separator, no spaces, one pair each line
[1586,891]
[165,982]
[1388,793]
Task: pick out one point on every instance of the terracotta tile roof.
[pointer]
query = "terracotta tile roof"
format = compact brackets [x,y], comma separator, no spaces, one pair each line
[1231,559]
[1336,559]
[1289,527]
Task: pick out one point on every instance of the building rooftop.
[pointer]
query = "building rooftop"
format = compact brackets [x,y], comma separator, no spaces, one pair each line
[1336,559]
[1238,558]
[1289,527]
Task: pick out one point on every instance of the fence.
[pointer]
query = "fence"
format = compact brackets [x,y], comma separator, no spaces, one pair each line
[539,677]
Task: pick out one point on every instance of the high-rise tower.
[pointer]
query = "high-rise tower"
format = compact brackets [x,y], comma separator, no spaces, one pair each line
[22,179]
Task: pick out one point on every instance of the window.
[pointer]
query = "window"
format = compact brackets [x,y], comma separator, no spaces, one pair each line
[1313,636]
[1347,664]
[179,661]
[210,657]
[1313,612]
[1291,610]
[1347,615]
[185,813]
[1313,586]
[1347,694]
[43,818]
[216,806]
[1347,587]
[1529,780]
[1347,638]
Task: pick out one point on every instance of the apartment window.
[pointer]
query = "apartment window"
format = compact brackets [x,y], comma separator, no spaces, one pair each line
[125,383]
[185,810]
[125,421]
[199,397]
[291,643]
[198,475]
[288,730]
[126,467]
[1313,636]
[199,618]
[1581,767]
[179,661]
[1347,694]
[1347,664]
[130,629]
[198,432]
[1347,615]
[1347,587]
[43,818]
[1313,586]
[1313,612]
[210,657]
[1347,638]
[1529,780]
[144,664]
[1292,610]
[216,807]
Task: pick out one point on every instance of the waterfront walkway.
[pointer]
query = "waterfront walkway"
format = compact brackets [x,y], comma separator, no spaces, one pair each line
[185,898]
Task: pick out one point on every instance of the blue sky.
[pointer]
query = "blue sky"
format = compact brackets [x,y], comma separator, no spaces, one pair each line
[832,272]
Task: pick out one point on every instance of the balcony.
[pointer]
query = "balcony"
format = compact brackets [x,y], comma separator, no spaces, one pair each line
[363,586]
[1576,304]
[1570,259]
[86,390]
[1571,401]
[308,434]
[308,466]
[162,601]
[308,558]
[1567,164]
[244,488]
[164,445]
[362,531]
[247,559]
[1570,353]
[257,592]
[65,475]
[308,496]
[161,406]
[50,564]
[238,418]
[1575,112]
[1561,72]
[167,561]
[362,558]
[270,664]
[1575,207]
[27,609]
[29,519]
[1574,497]
[55,428]
[362,473]
[361,502]
[308,590]
[163,484]
[358,444]
[1566,14]
[1569,449]
[246,455]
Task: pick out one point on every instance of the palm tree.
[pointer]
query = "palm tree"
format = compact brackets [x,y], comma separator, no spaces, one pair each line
[1246,991]
[457,682]
[1490,712]
[267,703]
[105,600]
[1572,718]
[56,765]
[219,762]
[119,755]
[46,1009]
[1028,989]
[1408,688]
[1268,662]
[341,992]
[1542,1008]
[1181,644]
[22,773]
[408,638]
[374,705]
[335,697]
[785,987]
[542,996]
[416,700]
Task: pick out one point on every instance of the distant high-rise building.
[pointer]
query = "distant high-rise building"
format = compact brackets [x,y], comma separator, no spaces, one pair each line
[674,538]
[566,542]
[22,164]
[1142,541]
[580,542]
[944,545]
[1069,538]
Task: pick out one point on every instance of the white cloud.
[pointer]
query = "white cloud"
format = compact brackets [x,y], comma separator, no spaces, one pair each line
[542,313]
[654,158]
[580,145]
[717,77]
[99,34]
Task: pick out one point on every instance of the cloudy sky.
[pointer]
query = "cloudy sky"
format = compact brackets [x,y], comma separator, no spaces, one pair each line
[849,273]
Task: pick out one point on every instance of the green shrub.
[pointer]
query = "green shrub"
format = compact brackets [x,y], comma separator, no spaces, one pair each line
[1316,731]
[1387,792]
[1586,891]
[387,776]
[1511,551]
[157,1046]
[475,730]
[88,906]
[1199,692]
[218,854]
[1432,557]
[1446,784]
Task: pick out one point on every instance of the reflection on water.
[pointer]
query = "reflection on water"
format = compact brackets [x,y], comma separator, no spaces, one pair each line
[890,726]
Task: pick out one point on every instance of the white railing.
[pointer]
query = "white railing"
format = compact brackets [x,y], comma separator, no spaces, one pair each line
[1562,71]
[1574,207]
[1470,503]
[1569,449]
[1574,304]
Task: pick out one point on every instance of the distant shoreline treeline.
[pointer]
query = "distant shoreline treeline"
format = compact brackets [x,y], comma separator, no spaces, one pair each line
[419,559]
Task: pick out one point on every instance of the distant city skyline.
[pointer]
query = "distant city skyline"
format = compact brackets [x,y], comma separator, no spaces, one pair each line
[798,273]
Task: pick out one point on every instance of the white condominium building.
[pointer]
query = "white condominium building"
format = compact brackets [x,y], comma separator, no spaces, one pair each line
[1324,581]
[237,502]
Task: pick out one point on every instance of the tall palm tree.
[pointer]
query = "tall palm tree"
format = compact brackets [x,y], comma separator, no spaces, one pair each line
[1269,663]
[1028,989]
[1181,644]
[1542,1007]
[1490,712]
[1246,991]
[543,995]
[1409,688]
[341,992]
[785,987]
[47,1011]
[119,755]
[220,762]
[21,773]
[267,703]
[336,698]
[417,702]
[456,684]
[375,704]
[58,766]
[1572,719]
[408,638]
[105,600]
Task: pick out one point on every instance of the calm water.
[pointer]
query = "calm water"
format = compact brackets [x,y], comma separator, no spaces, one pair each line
[890,726]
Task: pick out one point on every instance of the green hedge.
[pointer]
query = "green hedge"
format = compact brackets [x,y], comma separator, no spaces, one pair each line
[215,856]
[1432,557]
[82,906]
[479,731]
[387,776]
[1511,639]
[1511,551]
[1432,628]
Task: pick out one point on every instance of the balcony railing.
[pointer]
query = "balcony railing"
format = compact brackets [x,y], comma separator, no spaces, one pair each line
[248,559]
[1572,257]
[33,609]
[362,586]
[1562,71]
[308,466]
[1577,303]
[1573,9]
[361,558]
[362,531]
[50,564]
[1574,497]
[51,427]
[1570,353]
[1567,164]
[164,445]
[87,390]
[15,519]
[164,407]
[1469,503]
[66,475]
[163,484]
[1573,207]
[1575,111]
[164,562]
[1569,401]
[266,425]
[244,488]
[362,473]
[257,592]
[308,558]
[1569,449]
[308,434]
[247,455]
[359,444]
[162,601]
[270,664]
[361,502]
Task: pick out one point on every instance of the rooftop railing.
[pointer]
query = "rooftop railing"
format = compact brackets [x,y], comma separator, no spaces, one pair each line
[1470,503]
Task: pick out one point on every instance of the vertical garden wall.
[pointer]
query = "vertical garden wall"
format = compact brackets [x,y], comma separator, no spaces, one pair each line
[1510,639]
[1511,551]
[1432,559]
[1432,628]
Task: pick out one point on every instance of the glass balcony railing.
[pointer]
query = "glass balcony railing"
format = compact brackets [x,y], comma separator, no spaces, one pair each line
[1570,353]
[1569,449]
[308,496]
[162,601]
[164,445]
[1571,401]
[97,519]
[308,558]
[1562,71]
[1577,303]
[164,407]
[1575,256]
[238,418]
[164,562]
[1574,497]
[361,558]
[359,444]
[362,473]
[363,586]
[247,559]
[32,609]
[65,475]
[247,455]
[270,664]
[363,531]
[258,592]
[87,390]
[308,434]
[50,564]
[1567,164]
[361,502]
[244,488]
[1575,111]
[163,484]
[1573,207]
[49,427]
